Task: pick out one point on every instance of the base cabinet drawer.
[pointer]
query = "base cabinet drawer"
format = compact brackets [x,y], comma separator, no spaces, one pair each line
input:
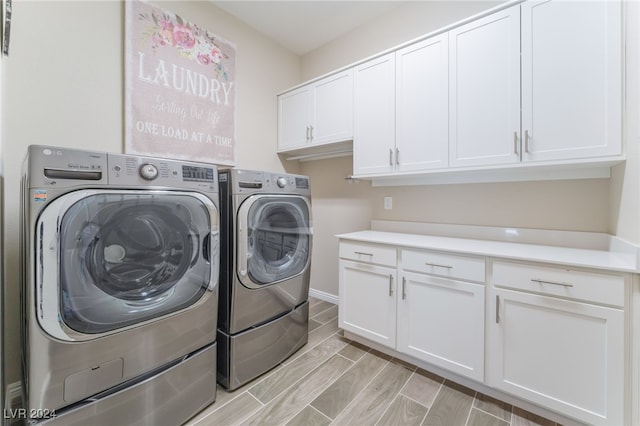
[564,355]
[467,268]
[376,254]
[603,289]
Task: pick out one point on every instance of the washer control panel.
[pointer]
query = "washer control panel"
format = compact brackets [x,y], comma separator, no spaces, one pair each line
[254,181]
[148,171]
[53,167]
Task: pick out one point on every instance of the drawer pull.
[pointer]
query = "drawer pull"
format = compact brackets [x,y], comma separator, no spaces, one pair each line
[363,253]
[438,265]
[540,281]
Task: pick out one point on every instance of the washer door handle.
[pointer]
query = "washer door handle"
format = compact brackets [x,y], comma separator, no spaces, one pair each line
[206,247]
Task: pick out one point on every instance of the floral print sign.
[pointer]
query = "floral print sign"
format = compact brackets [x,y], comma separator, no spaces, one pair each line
[180,89]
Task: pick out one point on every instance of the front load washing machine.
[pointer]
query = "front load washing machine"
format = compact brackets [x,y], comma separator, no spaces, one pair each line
[265,258]
[119,281]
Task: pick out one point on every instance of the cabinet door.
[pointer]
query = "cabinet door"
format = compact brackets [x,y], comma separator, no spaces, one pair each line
[374,116]
[333,121]
[441,321]
[484,84]
[295,116]
[571,79]
[368,301]
[422,105]
[567,356]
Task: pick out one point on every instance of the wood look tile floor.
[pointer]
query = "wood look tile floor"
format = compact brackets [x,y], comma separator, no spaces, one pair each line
[334,381]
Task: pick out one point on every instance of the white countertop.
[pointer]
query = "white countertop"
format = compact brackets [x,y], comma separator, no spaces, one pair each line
[622,258]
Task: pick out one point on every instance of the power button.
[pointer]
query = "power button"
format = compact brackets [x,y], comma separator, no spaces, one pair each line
[148,171]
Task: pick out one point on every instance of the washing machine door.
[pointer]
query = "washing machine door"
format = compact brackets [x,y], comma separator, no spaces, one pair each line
[274,239]
[108,260]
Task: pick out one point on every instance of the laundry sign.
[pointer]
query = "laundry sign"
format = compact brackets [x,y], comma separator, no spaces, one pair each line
[180,88]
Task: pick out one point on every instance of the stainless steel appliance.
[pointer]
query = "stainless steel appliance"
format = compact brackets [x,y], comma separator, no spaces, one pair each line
[119,282]
[266,238]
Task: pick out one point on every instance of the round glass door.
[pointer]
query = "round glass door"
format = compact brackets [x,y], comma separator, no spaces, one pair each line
[127,258]
[278,240]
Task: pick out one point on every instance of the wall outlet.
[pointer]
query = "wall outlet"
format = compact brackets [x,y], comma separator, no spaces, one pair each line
[388,203]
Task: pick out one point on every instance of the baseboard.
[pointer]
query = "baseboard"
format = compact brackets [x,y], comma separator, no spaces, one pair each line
[327,297]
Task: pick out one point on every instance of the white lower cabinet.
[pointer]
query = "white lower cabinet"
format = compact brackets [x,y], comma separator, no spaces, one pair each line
[554,336]
[441,321]
[565,355]
[368,301]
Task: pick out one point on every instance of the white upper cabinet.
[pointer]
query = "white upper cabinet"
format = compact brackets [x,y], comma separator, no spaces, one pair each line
[374,150]
[422,99]
[334,108]
[318,113]
[484,90]
[571,79]
[401,102]
[295,113]
[533,85]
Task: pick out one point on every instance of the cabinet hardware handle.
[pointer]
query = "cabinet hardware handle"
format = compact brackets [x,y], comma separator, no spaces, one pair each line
[308,133]
[438,265]
[363,253]
[526,141]
[390,285]
[390,157]
[515,143]
[540,281]
[497,309]
[311,133]
[404,285]
[397,156]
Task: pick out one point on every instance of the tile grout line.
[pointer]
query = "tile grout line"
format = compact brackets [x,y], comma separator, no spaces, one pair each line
[433,400]
[475,395]
[320,412]
[492,415]
[289,361]
[321,312]
[387,409]
[361,390]
[309,372]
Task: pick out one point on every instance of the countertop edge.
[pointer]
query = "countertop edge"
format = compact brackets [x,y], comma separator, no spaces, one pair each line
[623,259]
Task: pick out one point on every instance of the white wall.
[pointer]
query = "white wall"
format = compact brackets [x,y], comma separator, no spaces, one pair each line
[598,205]
[63,85]
[407,22]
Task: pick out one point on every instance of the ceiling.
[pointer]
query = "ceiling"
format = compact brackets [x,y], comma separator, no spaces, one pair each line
[304,25]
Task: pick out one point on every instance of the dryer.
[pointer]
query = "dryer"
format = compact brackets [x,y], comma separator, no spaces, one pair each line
[119,282]
[266,238]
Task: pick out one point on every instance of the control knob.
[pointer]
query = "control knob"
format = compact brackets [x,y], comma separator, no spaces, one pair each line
[148,171]
[282,182]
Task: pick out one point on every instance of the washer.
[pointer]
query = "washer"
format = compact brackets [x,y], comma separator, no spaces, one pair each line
[119,282]
[266,236]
